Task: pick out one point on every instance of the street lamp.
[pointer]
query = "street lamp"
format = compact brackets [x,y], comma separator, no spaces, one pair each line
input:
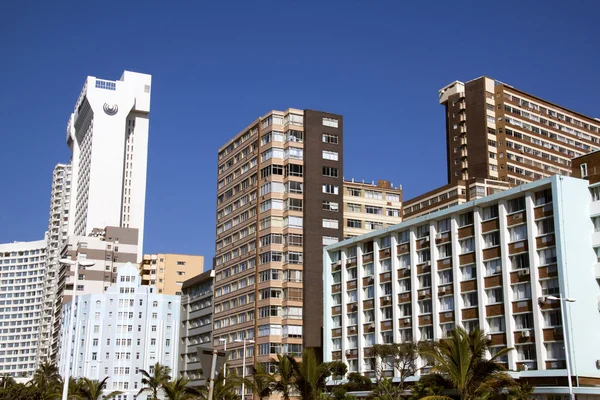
[224,341]
[77,263]
[244,362]
[564,327]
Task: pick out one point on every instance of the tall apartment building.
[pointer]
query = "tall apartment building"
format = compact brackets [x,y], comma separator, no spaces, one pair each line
[58,229]
[495,131]
[110,249]
[108,137]
[23,266]
[196,325]
[118,332]
[370,206]
[167,272]
[490,263]
[280,189]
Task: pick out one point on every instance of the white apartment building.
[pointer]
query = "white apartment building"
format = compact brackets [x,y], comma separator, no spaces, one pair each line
[108,136]
[58,229]
[491,263]
[109,249]
[117,333]
[23,266]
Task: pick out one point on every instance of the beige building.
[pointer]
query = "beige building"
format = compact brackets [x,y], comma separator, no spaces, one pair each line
[167,272]
[370,206]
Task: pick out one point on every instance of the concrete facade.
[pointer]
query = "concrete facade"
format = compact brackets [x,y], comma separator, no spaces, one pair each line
[23,266]
[109,248]
[490,263]
[108,137]
[196,325]
[167,272]
[116,333]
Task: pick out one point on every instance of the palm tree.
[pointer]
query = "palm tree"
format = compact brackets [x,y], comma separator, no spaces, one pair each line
[262,383]
[7,381]
[93,390]
[161,374]
[309,375]
[460,360]
[284,376]
[522,391]
[47,379]
[224,388]
[177,390]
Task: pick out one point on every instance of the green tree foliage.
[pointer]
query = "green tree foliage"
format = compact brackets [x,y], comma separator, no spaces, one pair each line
[460,360]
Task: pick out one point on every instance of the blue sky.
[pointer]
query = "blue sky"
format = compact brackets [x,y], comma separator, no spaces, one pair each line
[218,65]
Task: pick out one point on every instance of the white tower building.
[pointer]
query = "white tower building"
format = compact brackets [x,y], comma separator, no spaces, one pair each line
[108,136]
[23,266]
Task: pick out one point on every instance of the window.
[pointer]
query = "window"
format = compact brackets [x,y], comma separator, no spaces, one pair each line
[543,197]
[583,169]
[494,295]
[393,212]
[327,240]
[545,226]
[493,267]
[525,352]
[517,233]
[373,210]
[465,219]
[489,213]
[468,272]
[445,276]
[392,197]
[353,223]
[519,261]
[331,122]
[330,155]
[331,223]
[524,321]
[354,207]
[467,245]
[515,205]
[354,192]
[522,291]
[547,256]
[330,189]
[371,194]
[496,325]
[447,303]
[491,239]
[555,351]
[331,172]
[425,307]
[403,237]
[385,242]
[470,299]
[445,250]
[443,225]
[328,138]
[550,287]
[330,205]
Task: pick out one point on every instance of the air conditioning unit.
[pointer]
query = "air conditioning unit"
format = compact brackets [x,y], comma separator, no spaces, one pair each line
[371,325]
[426,239]
[598,364]
[338,262]
[438,236]
[408,267]
[554,365]
[427,263]
[525,334]
[387,298]
[348,352]
[518,216]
